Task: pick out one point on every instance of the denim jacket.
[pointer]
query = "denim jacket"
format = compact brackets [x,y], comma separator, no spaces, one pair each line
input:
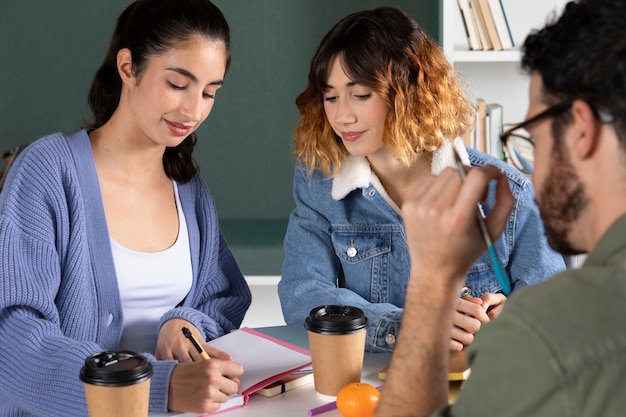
[346,244]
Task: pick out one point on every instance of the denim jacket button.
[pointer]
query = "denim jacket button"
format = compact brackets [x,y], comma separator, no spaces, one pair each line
[465,291]
[390,338]
[351,252]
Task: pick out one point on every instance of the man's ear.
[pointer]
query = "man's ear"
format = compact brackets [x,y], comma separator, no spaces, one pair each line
[586,129]
[125,65]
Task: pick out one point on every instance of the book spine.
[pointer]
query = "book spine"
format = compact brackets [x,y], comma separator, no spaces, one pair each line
[470,23]
[508,27]
[495,123]
[467,35]
[481,144]
[502,24]
[490,25]
[480,24]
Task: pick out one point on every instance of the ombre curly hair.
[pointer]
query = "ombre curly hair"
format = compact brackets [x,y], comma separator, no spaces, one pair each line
[385,50]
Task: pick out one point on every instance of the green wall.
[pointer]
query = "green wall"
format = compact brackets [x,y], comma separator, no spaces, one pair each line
[49,52]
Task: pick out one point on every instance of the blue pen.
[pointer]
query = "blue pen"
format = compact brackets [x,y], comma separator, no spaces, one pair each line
[503,278]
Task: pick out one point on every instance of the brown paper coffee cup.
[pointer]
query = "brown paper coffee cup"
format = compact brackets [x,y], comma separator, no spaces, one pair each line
[337,345]
[117,384]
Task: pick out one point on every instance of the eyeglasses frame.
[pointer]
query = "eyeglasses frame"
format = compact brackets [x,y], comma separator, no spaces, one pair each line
[603,116]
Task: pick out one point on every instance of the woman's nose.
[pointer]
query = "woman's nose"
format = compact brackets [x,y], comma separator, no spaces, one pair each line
[344,113]
[193,108]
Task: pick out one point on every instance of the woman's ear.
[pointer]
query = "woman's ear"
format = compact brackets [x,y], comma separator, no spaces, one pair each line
[587,129]
[125,65]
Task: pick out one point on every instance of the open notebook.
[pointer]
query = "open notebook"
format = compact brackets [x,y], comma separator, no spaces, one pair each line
[265,360]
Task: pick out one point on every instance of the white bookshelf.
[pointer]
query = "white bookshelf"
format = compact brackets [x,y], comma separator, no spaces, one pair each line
[496,75]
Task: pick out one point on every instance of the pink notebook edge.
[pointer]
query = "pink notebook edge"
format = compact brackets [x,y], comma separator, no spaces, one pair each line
[262,384]
[277,340]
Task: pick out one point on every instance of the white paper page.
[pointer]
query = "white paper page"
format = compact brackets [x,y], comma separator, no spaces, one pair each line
[261,358]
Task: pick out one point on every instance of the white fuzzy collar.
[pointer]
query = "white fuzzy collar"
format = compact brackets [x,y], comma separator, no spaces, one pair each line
[355,172]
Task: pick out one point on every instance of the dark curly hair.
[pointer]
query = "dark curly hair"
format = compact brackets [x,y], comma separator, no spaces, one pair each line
[582,55]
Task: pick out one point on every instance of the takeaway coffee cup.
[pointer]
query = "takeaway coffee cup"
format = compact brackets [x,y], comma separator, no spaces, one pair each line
[117,384]
[337,344]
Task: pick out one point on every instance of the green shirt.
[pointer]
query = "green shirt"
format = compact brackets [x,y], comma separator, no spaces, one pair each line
[558,348]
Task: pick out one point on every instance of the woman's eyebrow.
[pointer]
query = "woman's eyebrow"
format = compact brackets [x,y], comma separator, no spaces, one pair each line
[192,77]
[348,84]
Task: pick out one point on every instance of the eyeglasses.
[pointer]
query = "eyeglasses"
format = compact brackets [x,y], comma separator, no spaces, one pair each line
[519,145]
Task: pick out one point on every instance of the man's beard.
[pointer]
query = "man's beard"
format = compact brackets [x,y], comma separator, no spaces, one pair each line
[562,201]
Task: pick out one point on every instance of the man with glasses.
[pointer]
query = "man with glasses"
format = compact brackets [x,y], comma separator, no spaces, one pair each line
[520,146]
[557,348]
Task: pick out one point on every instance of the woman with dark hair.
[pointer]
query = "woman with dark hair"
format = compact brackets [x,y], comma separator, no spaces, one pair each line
[110,237]
[382,110]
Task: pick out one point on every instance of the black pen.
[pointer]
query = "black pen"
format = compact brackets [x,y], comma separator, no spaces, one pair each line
[195,344]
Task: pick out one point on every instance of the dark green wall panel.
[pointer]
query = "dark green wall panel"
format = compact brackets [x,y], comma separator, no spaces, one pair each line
[50,50]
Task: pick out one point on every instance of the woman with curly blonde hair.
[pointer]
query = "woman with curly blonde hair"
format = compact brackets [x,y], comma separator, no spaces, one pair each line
[383,109]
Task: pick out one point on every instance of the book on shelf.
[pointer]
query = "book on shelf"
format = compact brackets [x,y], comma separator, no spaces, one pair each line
[481,125]
[486,25]
[480,24]
[490,25]
[265,360]
[467,35]
[489,125]
[502,25]
[494,126]
[469,22]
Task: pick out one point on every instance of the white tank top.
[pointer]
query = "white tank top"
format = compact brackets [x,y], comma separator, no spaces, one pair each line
[150,285]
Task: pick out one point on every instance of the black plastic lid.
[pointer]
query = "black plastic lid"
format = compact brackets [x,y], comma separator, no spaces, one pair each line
[336,319]
[116,368]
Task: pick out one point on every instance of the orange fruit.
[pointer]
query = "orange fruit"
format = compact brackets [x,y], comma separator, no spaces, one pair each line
[357,399]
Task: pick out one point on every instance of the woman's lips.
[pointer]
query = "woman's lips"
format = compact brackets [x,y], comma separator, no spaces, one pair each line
[178,129]
[351,136]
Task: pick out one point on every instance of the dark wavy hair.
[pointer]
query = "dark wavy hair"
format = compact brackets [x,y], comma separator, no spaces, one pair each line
[387,51]
[582,55]
[148,28]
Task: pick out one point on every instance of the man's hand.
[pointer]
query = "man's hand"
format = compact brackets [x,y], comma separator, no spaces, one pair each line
[440,220]
[444,241]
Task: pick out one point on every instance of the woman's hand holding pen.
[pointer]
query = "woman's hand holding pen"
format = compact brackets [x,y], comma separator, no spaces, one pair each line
[201,387]
[172,344]
[205,376]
